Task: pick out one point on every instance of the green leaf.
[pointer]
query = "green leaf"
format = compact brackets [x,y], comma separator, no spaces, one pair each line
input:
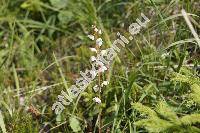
[32,5]
[59,3]
[75,125]
[65,16]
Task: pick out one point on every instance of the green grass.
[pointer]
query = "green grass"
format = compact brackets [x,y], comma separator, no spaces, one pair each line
[44,46]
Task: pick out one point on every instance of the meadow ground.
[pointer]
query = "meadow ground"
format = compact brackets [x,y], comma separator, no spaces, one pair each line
[154,83]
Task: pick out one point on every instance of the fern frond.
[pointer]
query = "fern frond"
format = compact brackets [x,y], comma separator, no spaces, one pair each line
[186,71]
[193,129]
[154,124]
[195,95]
[194,83]
[164,110]
[144,109]
[182,78]
[190,119]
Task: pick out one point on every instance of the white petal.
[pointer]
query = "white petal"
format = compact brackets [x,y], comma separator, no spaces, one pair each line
[96,30]
[165,55]
[21,101]
[99,41]
[93,50]
[96,88]
[92,58]
[105,68]
[102,69]
[91,37]
[100,32]
[104,83]
[97,100]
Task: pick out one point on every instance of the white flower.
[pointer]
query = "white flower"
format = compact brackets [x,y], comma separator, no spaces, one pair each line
[97,100]
[92,58]
[100,32]
[99,42]
[103,52]
[96,30]
[102,68]
[93,50]
[21,101]
[104,83]
[96,88]
[91,37]
[163,56]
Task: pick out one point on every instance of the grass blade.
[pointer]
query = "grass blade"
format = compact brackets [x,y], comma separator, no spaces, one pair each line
[2,123]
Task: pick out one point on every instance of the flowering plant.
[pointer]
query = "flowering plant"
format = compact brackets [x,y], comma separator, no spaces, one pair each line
[96,36]
[100,63]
